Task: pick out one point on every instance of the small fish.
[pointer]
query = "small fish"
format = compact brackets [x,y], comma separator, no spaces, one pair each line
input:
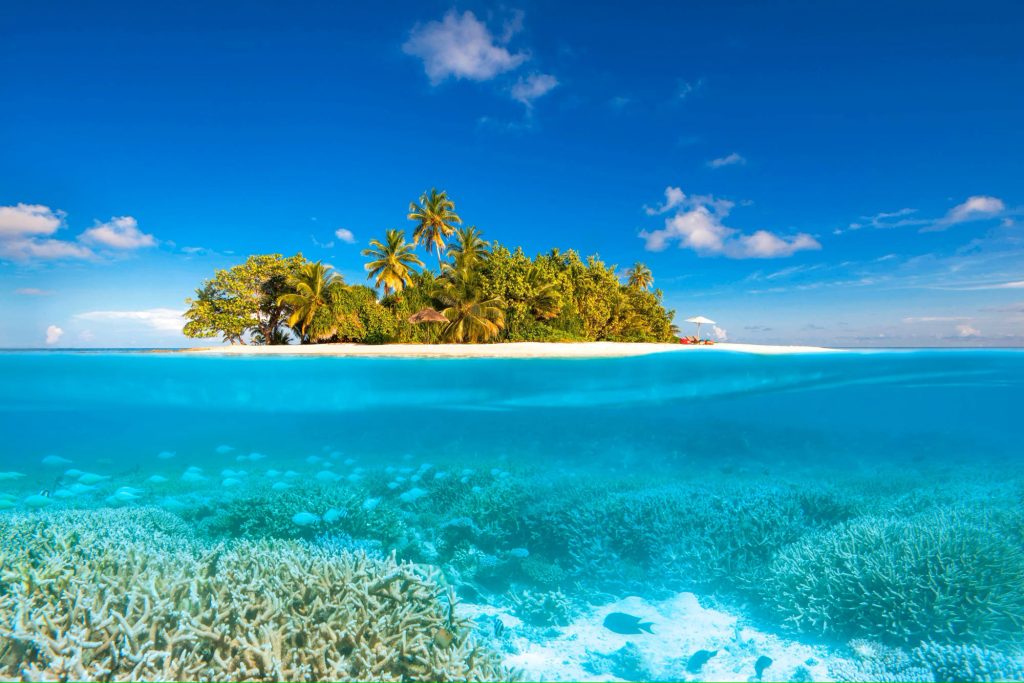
[305,519]
[89,478]
[7,476]
[699,659]
[37,502]
[55,460]
[166,455]
[626,624]
[443,637]
[761,664]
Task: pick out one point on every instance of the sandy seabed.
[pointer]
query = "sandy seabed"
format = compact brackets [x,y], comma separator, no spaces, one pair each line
[504,350]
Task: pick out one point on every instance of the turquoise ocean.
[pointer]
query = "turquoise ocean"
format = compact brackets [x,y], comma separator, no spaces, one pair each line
[854,515]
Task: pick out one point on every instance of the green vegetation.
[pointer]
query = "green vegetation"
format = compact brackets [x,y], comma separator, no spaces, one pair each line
[486,292]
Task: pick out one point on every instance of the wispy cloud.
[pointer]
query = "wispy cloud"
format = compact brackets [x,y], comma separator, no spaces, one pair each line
[978,207]
[162,319]
[528,89]
[698,225]
[461,46]
[685,89]
[733,159]
[33,291]
[974,208]
[936,319]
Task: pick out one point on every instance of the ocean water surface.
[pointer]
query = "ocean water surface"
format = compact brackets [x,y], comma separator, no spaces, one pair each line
[827,516]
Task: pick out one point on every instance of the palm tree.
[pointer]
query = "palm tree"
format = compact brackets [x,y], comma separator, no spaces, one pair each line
[312,285]
[392,262]
[640,276]
[436,218]
[543,300]
[469,248]
[471,317]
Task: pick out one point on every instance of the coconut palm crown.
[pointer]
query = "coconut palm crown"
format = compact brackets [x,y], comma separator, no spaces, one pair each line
[435,220]
[392,262]
[640,276]
[312,285]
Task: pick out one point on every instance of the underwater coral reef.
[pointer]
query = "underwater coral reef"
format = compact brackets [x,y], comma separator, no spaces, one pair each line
[129,595]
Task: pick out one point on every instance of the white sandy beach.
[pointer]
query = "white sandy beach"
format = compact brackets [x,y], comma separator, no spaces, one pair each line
[507,350]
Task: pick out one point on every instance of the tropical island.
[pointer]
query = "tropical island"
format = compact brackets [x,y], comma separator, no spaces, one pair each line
[481,292]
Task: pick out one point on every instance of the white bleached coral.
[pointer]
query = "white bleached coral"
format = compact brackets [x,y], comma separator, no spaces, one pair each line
[129,595]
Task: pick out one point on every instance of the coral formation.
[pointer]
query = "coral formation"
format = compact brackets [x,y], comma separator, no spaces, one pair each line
[127,594]
[946,576]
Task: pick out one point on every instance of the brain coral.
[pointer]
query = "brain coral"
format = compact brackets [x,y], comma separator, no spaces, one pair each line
[127,595]
[946,576]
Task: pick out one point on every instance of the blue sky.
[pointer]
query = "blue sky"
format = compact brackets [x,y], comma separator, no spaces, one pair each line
[841,173]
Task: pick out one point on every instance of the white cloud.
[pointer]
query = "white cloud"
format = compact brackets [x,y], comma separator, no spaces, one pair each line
[461,46]
[53,334]
[28,249]
[967,331]
[162,319]
[32,291]
[733,159]
[697,225]
[675,198]
[526,90]
[25,231]
[345,235]
[29,219]
[974,208]
[121,232]
[978,206]
[935,319]
[720,333]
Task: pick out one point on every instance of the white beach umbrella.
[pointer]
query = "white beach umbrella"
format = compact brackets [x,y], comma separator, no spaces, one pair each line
[700,320]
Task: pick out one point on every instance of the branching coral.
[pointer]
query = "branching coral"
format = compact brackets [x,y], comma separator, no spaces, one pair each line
[945,576]
[125,595]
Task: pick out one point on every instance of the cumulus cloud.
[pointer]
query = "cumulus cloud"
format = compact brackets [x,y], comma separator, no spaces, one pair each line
[967,331]
[121,232]
[697,224]
[733,159]
[461,46]
[162,319]
[53,334]
[720,333]
[27,233]
[23,220]
[526,90]
[345,235]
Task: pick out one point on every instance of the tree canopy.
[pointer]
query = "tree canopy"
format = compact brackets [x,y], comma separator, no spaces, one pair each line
[485,290]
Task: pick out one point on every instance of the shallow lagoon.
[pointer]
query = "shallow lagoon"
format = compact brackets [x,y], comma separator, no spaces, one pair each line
[850,516]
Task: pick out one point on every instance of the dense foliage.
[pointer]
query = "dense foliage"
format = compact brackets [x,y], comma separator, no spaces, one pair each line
[484,291]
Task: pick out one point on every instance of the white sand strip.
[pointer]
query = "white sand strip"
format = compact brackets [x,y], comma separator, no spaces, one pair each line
[509,350]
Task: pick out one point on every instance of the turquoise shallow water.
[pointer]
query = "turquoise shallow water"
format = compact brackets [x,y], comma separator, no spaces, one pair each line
[576,483]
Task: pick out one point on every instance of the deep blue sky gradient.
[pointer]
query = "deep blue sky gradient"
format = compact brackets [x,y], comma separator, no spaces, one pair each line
[254,127]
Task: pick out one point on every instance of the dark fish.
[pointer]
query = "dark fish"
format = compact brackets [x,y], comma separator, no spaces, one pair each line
[761,664]
[699,659]
[626,624]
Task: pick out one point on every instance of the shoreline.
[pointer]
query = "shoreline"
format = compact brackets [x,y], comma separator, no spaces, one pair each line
[499,350]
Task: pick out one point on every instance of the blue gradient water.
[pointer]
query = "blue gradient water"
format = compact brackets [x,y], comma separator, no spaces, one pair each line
[844,410]
[842,436]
